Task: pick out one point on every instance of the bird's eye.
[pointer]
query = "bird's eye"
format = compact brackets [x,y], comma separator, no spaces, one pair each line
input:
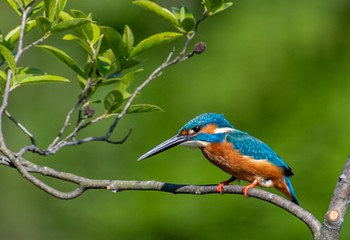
[196,129]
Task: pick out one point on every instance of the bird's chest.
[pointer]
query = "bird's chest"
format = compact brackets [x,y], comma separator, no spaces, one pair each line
[224,156]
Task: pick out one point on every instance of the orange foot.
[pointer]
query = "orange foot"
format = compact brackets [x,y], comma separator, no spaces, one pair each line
[221,185]
[246,188]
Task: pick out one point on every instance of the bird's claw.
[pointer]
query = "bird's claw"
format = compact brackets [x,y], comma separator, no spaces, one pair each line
[246,188]
[220,187]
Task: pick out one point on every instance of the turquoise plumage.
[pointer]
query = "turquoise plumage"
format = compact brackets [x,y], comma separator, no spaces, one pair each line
[236,152]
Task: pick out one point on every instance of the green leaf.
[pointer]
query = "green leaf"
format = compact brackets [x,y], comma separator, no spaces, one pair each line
[3,76]
[185,17]
[123,81]
[91,31]
[128,38]
[130,63]
[113,100]
[155,8]
[36,10]
[141,108]
[81,42]
[121,85]
[109,54]
[109,81]
[153,41]
[28,75]
[69,24]
[64,57]
[188,24]
[43,23]
[212,5]
[82,81]
[223,7]
[65,16]
[8,56]
[78,14]
[13,36]
[103,65]
[26,3]
[50,9]
[127,78]
[41,79]
[14,6]
[95,33]
[29,71]
[90,102]
[115,42]
[60,6]
[115,66]
[53,9]
[215,6]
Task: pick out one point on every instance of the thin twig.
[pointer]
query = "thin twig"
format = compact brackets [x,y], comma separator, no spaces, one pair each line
[65,125]
[62,144]
[95,120]
[33,149]
[24,129]
[5,161]
[36,42]
[22,29]
[81,101]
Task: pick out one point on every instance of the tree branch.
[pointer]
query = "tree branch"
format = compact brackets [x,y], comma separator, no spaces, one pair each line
[26,168]
[10,73]
[20,126]
[338,206]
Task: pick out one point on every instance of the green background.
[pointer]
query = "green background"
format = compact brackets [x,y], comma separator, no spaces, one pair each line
[279,70]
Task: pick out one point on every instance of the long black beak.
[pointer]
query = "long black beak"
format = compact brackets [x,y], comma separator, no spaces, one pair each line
[172,142]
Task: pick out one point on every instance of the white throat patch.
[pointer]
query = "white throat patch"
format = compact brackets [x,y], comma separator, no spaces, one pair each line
[195,144]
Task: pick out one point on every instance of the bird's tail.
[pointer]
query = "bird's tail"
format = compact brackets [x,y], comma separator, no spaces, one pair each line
[292,195]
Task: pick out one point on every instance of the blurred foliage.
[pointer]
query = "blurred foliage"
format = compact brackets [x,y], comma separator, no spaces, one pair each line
[279,70]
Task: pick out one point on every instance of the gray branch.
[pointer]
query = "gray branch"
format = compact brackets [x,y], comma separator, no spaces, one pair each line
[338,206]
[27,168]
[329,230]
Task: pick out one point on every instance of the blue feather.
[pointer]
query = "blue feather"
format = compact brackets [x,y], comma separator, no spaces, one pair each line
[207,118]
[290,187]
[195,134]
[252,147]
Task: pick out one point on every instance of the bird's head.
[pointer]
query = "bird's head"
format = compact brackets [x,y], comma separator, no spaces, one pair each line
[199,132]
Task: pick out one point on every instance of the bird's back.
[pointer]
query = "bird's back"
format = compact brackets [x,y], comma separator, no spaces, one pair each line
[256,149]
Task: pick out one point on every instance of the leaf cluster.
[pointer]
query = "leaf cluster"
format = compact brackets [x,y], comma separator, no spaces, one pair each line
[111,56]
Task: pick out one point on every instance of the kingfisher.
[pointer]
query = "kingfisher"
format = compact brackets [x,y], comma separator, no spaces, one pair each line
[235,152]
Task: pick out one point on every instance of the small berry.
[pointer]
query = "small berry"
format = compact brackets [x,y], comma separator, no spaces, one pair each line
[199,47]
[89,112]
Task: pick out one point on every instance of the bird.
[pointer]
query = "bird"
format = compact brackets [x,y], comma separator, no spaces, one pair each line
[237,153]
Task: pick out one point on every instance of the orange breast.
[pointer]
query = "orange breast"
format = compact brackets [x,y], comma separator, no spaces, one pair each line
[242,167]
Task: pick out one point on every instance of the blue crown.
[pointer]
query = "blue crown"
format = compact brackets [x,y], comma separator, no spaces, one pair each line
[207,118]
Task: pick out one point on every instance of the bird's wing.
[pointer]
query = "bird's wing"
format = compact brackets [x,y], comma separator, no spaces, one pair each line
[252,147]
